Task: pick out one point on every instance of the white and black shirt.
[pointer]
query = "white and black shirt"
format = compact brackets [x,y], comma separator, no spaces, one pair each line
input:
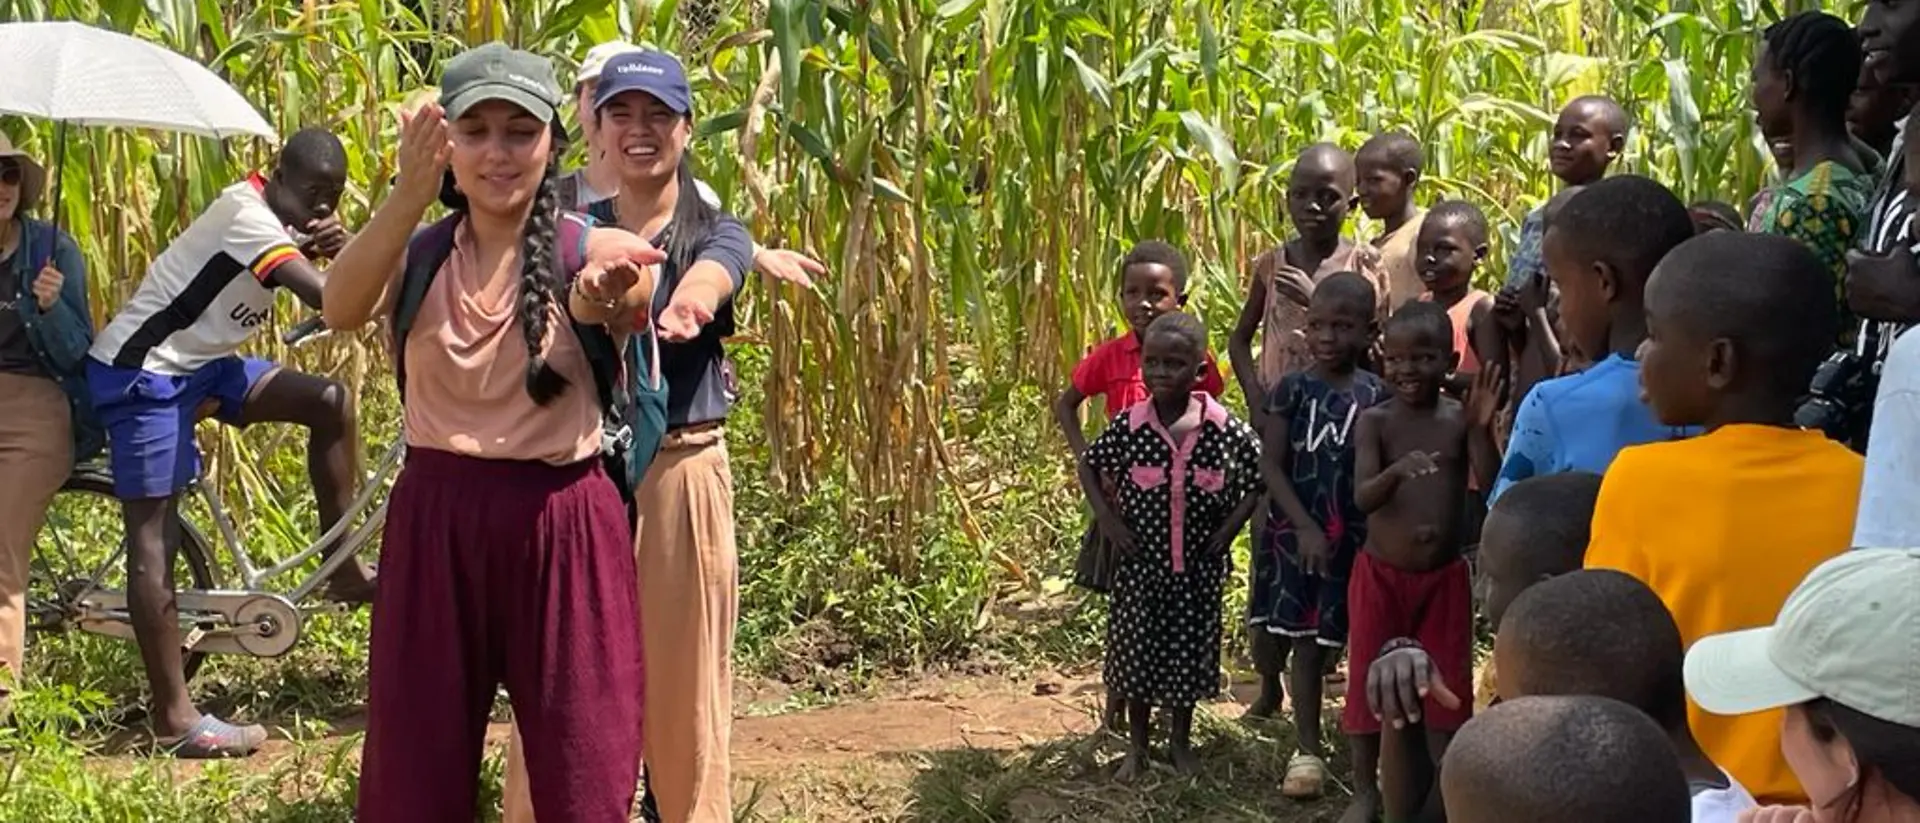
[207,293]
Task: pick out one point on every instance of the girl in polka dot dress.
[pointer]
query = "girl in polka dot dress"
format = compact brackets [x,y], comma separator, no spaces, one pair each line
[1188,477]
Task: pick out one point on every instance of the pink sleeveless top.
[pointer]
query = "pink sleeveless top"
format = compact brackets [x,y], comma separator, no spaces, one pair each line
[467,367]
[1461,314]
[1283,342]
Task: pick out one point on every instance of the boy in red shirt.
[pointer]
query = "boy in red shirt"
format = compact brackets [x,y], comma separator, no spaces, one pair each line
[1153,282]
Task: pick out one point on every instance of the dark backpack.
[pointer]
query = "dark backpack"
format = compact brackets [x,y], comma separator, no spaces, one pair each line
[429,250]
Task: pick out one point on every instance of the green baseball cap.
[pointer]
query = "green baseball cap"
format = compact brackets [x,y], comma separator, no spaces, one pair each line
[496,72]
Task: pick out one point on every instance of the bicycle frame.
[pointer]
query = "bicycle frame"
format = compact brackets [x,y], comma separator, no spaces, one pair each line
[252,578]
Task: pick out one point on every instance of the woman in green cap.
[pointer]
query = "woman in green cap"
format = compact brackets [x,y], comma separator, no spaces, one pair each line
[508,555]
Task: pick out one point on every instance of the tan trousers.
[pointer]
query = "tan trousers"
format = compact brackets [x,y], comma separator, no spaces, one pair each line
[689,601]
[36,455]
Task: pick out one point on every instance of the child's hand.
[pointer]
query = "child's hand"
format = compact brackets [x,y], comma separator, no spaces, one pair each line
[1778,814]
[1316,553]
[1534,293]
[1416,464]
[1398,684]
[1483,400]
[1117,533]
[1507,311]
[1292,284]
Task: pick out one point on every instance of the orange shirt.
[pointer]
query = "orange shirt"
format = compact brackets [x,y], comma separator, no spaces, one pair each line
[1723,527]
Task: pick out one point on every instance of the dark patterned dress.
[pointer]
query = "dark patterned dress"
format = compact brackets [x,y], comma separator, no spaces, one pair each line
[1320,421]
[1163,630]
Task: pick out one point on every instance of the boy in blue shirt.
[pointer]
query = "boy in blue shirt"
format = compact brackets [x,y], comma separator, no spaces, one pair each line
[1599,249]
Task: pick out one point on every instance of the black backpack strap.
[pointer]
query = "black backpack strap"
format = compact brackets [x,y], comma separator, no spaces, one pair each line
[426,253]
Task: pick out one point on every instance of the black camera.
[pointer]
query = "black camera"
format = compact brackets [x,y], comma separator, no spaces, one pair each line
[1840,399]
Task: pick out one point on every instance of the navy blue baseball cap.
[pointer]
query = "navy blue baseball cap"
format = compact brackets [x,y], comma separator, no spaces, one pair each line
[656,73]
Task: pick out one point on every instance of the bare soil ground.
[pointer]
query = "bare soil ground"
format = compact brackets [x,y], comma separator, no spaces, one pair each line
[956,749]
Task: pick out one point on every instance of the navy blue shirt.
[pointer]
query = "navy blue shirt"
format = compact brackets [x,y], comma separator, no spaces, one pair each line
[700,381]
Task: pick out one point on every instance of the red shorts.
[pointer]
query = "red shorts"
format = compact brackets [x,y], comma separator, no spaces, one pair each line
[1435,608]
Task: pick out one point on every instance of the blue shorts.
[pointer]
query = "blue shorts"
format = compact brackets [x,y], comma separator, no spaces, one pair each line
[149,419]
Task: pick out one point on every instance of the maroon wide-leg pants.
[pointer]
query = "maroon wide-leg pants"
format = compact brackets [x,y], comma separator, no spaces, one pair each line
[498,571]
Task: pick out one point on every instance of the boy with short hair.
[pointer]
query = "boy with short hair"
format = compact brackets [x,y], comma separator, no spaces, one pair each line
[1547,646]
[171,356]
[1298,597]
[1589,135]
[1389,167]
[1319,196]
[1567,760]
[1411,468]
[1153,282]
[1724,525]
[1601,248]
[1452,242]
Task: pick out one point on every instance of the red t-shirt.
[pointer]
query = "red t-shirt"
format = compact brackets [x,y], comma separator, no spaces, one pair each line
[1112,372]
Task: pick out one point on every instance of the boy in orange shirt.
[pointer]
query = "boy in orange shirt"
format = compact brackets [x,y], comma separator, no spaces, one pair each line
[1723,526]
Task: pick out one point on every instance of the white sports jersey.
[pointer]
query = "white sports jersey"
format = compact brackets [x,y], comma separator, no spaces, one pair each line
[207,293]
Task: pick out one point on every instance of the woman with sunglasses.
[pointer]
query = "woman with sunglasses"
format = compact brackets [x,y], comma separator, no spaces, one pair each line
[45,330]
[508,555]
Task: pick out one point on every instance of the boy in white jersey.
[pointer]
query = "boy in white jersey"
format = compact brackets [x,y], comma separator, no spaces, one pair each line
[169,357]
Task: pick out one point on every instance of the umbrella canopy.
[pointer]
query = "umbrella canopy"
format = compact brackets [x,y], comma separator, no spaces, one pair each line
[80,74]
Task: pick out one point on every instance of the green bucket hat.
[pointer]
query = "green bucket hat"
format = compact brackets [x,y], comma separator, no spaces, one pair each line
[496,72]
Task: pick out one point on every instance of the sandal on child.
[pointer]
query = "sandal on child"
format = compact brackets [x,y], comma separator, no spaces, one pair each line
[213,739]
[1306,778]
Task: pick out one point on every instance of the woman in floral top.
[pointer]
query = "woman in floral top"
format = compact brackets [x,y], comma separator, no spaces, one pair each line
[1803,77]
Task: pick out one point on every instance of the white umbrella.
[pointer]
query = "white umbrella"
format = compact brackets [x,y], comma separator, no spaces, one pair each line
[74,73]
[80,74]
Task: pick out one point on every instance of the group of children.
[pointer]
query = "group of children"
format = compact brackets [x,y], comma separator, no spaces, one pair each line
[1391,401]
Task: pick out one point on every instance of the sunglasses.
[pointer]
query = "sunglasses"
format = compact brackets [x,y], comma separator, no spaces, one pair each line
[11,173]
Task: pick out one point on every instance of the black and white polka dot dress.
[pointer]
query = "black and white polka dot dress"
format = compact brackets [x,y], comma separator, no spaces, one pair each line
[1163,628]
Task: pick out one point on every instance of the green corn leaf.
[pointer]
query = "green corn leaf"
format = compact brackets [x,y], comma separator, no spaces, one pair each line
[1096,86]
[1209,137]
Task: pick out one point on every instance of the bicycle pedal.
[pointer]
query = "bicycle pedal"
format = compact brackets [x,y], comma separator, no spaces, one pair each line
[193,638]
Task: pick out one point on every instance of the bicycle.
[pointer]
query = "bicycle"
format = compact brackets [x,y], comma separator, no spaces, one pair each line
[251,618]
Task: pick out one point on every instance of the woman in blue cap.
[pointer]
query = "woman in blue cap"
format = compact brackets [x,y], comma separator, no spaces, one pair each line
[689,575]
[507,556]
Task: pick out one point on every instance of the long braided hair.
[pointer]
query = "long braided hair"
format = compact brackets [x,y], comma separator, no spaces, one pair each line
[1823,53]
[538,282]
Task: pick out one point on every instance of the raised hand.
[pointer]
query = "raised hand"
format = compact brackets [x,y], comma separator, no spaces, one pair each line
[1484,399]
[683,320]
[325,238]
[425,150]
[46,287]
[606,284]
[789,266]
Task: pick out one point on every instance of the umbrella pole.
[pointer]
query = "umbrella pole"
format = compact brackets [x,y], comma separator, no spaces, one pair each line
[59,162]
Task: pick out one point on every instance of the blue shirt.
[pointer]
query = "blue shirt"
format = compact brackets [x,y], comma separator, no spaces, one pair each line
[1579,422]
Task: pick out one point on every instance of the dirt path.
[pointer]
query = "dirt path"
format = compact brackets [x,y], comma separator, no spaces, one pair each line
[942,749]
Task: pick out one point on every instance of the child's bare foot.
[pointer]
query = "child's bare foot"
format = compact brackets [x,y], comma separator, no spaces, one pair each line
[1131,767]
[1185,761]
[1365,808]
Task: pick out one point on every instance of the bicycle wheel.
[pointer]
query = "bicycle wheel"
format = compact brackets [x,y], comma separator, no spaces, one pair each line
[83,528]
